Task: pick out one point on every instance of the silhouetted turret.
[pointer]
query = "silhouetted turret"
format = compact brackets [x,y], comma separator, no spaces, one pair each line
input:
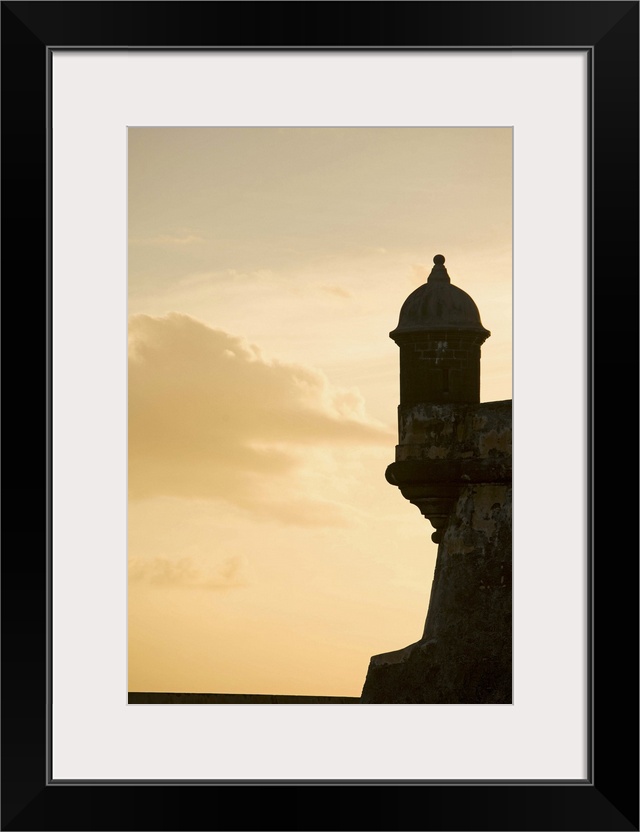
[439,334]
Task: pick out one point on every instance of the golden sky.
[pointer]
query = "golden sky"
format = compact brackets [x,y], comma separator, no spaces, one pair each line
[267,553]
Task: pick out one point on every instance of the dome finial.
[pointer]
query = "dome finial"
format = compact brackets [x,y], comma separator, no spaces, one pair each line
[439,272]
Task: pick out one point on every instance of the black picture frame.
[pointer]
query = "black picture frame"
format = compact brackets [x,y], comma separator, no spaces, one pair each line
[608,799]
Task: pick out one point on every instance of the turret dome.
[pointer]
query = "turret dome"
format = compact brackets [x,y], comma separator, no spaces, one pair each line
[438,306]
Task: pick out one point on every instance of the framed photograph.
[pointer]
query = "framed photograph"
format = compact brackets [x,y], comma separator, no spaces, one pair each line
[114,113]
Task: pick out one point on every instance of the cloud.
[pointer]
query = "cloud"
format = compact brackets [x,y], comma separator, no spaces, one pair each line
[187,572]
[210,417]
[333,289]
[183,237]
[226,276]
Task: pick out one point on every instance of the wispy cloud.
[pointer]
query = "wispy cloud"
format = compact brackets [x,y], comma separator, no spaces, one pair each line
[204,279]
[188,572]
[338,291]
[183,237]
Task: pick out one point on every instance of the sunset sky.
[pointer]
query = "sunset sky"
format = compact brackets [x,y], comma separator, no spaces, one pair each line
[267,553]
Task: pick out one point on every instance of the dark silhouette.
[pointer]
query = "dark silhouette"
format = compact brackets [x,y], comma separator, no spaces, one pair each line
[453,461]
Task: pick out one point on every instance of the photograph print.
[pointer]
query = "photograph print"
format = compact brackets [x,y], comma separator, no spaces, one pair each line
[319,415]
